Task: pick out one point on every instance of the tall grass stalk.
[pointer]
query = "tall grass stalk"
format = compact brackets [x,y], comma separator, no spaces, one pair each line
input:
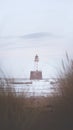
[63,101]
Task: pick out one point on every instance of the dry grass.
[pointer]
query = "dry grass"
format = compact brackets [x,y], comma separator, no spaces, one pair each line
[50,113]
[16,111]
[63,102]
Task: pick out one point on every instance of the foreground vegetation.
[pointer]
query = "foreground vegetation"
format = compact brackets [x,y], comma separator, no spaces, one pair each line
[52,113]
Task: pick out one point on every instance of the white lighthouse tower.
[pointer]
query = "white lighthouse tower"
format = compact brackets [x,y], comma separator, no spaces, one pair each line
[36,75]
[36,60]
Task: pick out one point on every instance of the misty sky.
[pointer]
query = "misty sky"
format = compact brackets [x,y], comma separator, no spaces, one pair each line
[30,27]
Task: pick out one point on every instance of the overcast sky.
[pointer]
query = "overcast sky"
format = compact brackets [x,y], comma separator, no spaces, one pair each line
[28,27]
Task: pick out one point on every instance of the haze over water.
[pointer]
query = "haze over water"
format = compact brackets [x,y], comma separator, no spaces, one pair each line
[33,27]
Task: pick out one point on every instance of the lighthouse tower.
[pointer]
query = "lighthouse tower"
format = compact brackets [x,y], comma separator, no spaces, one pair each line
[36,60]
[36,74]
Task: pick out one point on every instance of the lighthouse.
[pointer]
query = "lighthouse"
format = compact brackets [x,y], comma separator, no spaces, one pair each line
[36,60]
[36,74]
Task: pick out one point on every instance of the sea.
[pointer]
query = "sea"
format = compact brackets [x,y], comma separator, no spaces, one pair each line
[35,87]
